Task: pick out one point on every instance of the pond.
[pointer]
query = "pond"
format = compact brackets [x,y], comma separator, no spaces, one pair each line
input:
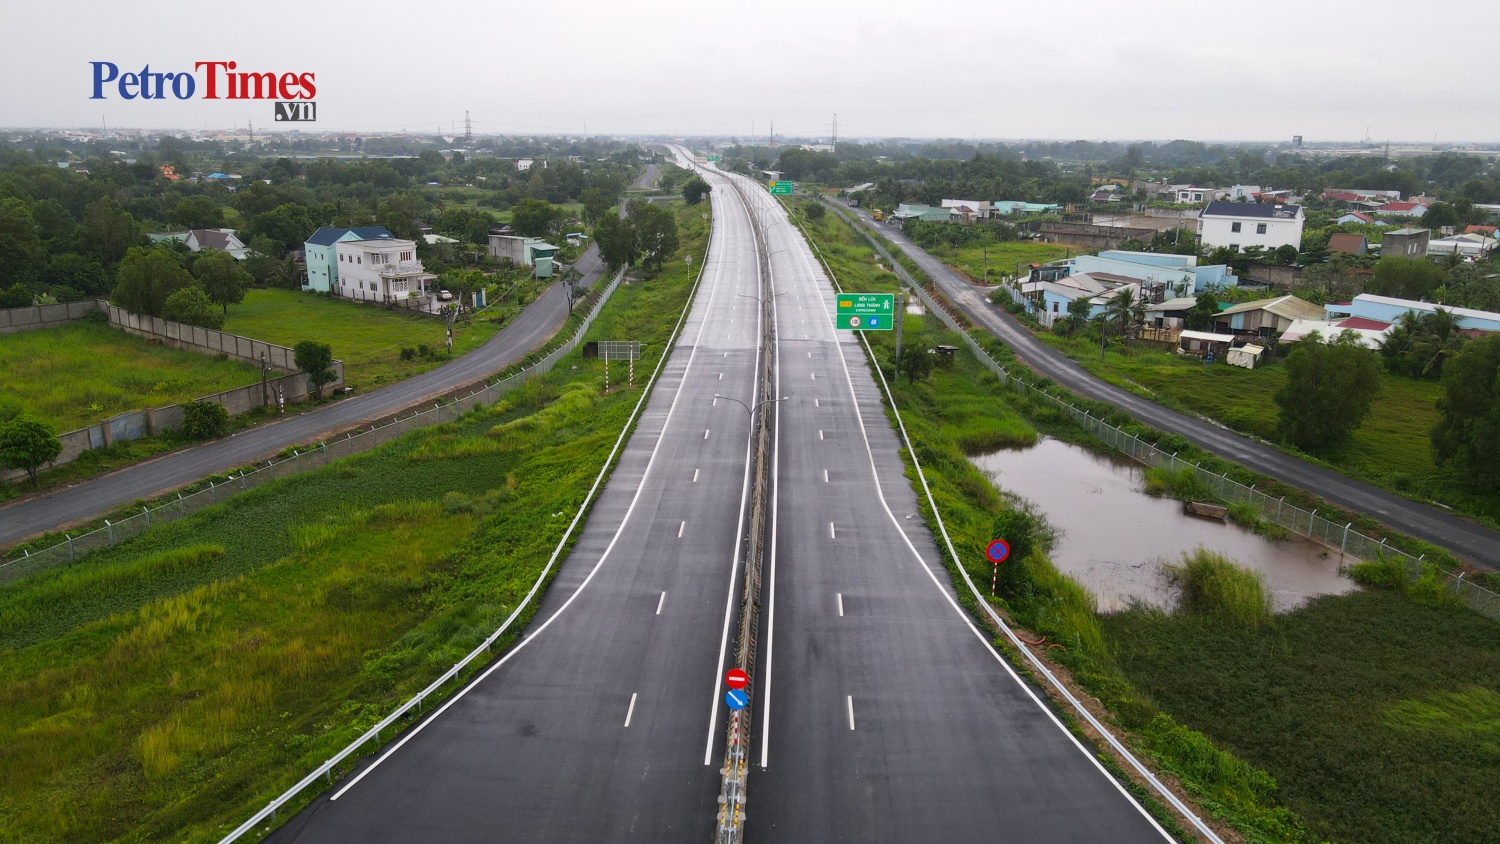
[1113,538]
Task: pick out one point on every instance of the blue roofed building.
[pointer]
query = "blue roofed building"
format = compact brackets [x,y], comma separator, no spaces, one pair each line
[322,259]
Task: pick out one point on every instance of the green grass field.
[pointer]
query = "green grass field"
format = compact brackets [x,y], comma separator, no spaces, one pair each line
[80,374]
[1392,448]
[1004,258]
[168,687]
[367,338]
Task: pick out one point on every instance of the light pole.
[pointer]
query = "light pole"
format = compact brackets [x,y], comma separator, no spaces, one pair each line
[748,409]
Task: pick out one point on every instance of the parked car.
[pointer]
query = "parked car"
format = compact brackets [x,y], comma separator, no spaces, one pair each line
[445,296]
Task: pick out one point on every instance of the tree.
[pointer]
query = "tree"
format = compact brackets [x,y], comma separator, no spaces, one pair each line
[596,205]
[1328,391]
[1419,345]
[533,218]
[1467,437]
[616,241]
[694,189]
[146,278]
[191,306]
[197,212]
[265,268]
[1286,254]
[316,359]
[1439,215]
[814,211]
[82,274]
[287,226]
[109,231]
[20,241]
[915,363]
[655,230]
[27,444]
[1200,317]
[1405,278]
[222,278]
[204,420]
[1125,311]
[17,295]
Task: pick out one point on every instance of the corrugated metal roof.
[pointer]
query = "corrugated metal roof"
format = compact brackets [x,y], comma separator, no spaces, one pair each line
[1287,307]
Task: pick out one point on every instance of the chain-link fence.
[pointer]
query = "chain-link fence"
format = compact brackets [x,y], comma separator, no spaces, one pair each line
[1351,544]
[221,487]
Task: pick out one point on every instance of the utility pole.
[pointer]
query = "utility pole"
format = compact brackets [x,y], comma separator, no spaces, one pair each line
[900,318]
[835,133]
[265,397]
[452,317]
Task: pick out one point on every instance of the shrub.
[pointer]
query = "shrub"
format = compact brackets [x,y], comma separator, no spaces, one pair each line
[1182,484]
[407,353]
[1379,573]
[1210,584]
[204,420]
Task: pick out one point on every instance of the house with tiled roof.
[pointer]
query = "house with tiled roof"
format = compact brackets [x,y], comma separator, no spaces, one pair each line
[322,256]
[1401,209]
[1347,244]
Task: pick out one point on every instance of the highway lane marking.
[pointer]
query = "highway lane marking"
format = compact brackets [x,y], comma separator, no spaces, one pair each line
[631,711]
[695,476]
[953,603]
[814,375]
[705,433]
[721,376]
[820,433]
[619,530]
[680,529]
[661,601]
[841,604]
[825,476]
[831,534]
[816,403]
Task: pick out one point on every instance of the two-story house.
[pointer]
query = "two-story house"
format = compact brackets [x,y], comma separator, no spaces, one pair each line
[1239,225]
[380,270]
[323,261]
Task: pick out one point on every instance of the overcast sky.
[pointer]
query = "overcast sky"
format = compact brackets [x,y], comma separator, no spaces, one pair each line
[1097,69]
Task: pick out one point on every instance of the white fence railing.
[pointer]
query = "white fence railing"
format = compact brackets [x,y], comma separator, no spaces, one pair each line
[221,487]
[1340,535]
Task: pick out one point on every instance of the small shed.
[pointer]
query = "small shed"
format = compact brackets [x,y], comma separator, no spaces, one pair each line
[1245,356]
[1203,343]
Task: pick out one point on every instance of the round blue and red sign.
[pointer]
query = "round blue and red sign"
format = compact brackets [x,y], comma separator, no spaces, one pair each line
[998,551]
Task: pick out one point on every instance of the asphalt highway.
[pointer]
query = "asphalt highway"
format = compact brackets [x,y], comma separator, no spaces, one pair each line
[883,713]
[537,322]
[1467,540]
[604,723]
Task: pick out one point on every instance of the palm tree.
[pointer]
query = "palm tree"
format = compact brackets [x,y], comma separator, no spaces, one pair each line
[1126,310]
[1436,340]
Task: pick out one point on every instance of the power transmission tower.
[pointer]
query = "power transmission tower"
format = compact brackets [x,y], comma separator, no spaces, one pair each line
[835,132]
[468,130]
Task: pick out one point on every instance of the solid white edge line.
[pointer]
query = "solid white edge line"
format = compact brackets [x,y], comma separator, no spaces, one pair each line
[661,602]
[631,711]
[713,696]
[531,637]
[989,646]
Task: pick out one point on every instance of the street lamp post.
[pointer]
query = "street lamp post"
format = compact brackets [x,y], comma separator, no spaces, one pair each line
[750,411]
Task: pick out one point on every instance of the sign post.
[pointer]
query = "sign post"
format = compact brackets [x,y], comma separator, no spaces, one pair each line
[997,552]
[865,312]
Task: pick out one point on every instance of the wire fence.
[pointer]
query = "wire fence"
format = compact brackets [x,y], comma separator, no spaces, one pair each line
[220,488]
[1351,544]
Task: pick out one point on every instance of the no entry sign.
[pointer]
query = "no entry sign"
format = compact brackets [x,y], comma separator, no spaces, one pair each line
[736,678]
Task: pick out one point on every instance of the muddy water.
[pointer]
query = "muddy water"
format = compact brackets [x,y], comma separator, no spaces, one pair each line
[1113,538]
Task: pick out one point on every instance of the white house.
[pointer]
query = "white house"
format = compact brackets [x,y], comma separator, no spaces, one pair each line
[380,270]
[1238,225]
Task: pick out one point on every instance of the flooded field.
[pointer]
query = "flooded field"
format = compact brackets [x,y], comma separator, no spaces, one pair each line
[1113,538]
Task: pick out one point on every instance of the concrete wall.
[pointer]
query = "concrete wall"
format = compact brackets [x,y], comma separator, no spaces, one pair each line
[1090,236]
[1280,278]
[45,316]
[204,340]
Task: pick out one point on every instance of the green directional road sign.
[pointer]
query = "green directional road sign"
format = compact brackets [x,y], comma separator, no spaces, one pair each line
[713,158]
[866,311]
[781,188]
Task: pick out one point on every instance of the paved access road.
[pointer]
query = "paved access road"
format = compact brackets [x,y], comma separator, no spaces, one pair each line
[882,712]
[537,322]
[604,723]
[1469,541]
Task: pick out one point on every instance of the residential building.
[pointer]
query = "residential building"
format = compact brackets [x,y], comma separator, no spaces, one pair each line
[1474,246]
[1239,225]
[1193,195]
[323,261]
[1170,314]
[1347,244]
[1265,317]
[1358,217]
[1241,193]
[968,210]
[380,270]
[524,251]
[1371,332]
[1405,243]
[923,213]
[1012,207]
[1401,209]
[1361,195]
[1390,309]
[197,240]
[1164,274]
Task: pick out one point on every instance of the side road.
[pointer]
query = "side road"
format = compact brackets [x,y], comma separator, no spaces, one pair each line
[1468,541]
[530,329]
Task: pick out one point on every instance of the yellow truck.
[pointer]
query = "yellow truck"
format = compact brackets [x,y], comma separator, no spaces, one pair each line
[879,217]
